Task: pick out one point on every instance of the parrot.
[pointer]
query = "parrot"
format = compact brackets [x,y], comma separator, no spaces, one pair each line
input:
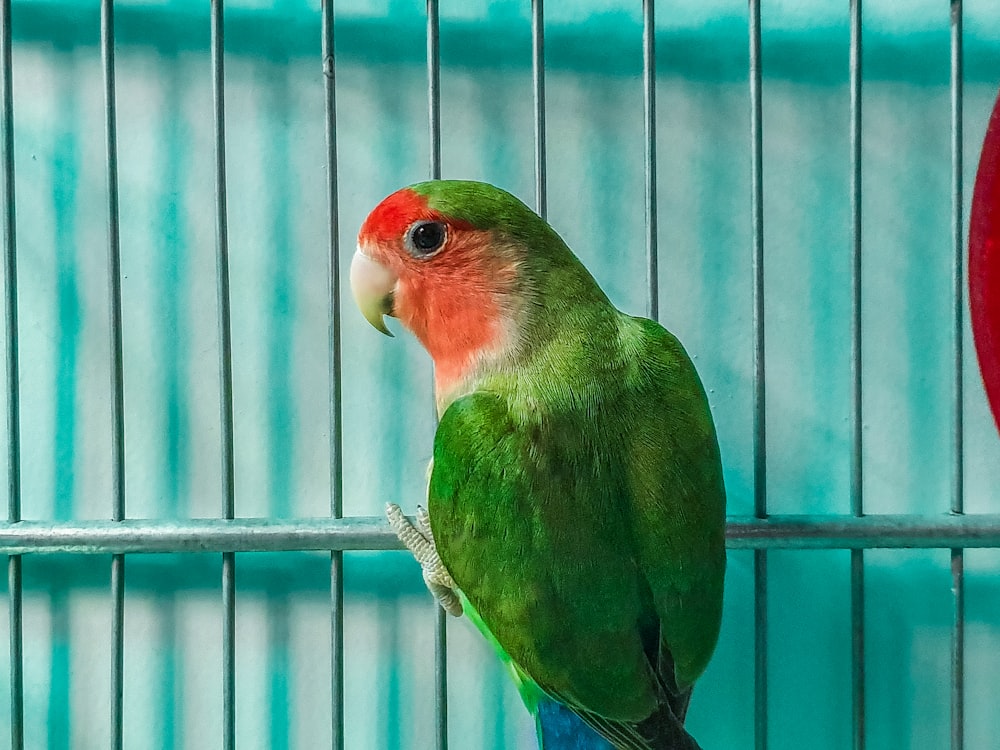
[575,507]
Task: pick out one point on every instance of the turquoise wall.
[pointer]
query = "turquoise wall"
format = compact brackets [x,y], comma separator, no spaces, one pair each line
[278,217]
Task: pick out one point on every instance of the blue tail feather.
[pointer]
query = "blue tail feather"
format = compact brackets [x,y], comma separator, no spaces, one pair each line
[561,729]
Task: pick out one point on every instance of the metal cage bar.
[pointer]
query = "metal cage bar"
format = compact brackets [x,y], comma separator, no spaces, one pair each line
[16,654]
[225,376]
[434,130]
[759,403]
[958,479]
[857,393]
[649,108]
[117,372]
[335,395]
[958,650]
[9,230]
[151,535]
[958,244]
[434,87]
[538,94]
[440,678]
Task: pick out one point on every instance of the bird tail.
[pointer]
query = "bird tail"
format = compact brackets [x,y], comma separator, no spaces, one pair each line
[560,729]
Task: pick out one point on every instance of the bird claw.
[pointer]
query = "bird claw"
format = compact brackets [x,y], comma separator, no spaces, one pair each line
[419,539]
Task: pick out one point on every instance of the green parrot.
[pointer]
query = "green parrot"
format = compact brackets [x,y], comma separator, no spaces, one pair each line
[575,506]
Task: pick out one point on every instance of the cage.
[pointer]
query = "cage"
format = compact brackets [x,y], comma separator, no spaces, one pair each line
[182,183]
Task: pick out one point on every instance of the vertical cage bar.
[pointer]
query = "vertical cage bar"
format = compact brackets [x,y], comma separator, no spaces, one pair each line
[114,264]
[117,372]
[958,269]
[117,649]
[229,651]
[759,432]
[857,498]
[649,107]
[441,678]
[222,248]
[958,651]
[538,90]
[958,479]
[336,395]
[857,465]
[760,649]
[434,128]
[434,87]
[757,218]
[16,654]
[12,373]
[225,377]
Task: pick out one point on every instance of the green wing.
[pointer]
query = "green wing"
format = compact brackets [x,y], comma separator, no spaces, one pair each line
[523,529]
[577,531]
[677,499]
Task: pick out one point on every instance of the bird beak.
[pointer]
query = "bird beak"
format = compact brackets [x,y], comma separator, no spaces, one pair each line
[373,285]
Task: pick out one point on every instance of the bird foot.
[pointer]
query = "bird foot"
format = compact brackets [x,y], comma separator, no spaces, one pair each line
[419,539]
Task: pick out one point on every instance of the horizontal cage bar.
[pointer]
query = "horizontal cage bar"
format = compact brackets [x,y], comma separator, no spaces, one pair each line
[373,533]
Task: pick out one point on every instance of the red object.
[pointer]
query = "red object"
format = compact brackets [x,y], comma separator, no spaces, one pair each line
[984,262]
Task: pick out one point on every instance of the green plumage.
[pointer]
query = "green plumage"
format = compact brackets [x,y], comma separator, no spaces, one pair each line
[576,495]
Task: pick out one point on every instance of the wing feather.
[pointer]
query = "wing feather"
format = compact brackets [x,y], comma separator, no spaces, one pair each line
[571,529]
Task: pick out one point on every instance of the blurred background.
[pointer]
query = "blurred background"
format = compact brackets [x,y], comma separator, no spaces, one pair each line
[278,244]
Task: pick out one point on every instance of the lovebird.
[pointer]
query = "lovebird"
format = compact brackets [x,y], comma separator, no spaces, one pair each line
[575,503]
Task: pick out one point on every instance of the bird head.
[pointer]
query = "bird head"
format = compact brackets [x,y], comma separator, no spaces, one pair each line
[477,276]
[435,255]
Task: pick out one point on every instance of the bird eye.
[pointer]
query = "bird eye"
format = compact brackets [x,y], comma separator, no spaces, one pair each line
[425,238]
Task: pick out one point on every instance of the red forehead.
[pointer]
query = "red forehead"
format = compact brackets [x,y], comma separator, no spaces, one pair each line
[392,216]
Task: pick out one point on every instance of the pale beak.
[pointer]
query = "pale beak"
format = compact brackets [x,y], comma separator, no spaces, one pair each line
[373,285]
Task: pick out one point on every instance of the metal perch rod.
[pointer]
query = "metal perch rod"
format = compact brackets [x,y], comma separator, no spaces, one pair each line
[373,533]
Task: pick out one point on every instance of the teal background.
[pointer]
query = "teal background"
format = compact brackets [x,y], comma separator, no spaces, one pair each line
[278,215]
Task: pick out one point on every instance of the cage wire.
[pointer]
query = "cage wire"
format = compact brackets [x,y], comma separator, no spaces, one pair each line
[123,536]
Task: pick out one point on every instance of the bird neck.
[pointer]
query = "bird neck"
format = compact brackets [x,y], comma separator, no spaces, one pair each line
[562,362]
